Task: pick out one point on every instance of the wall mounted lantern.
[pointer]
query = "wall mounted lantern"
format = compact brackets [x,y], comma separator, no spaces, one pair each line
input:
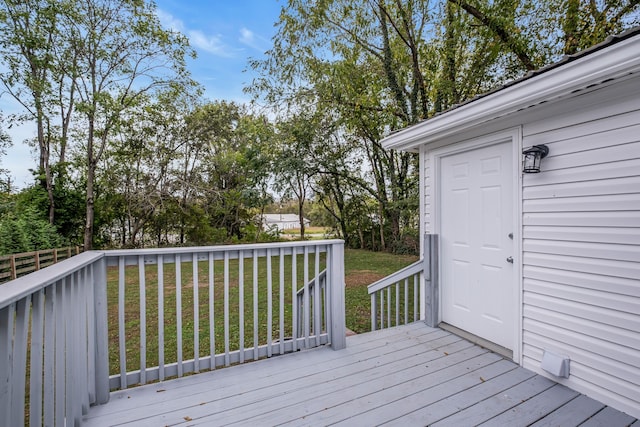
[532,156]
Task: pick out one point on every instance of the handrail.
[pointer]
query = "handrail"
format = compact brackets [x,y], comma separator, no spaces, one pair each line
[391,279]
[131,256]
[16,289]
[405,298]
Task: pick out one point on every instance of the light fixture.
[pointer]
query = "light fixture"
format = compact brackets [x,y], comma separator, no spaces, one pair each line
[531,158]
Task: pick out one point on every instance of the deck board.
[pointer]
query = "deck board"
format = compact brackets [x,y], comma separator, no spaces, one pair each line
[411,375]
[457,403]
[573,413]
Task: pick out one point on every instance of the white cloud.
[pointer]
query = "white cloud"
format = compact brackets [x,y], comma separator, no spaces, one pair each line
[246,36]
[249,38]
[208,43]
[169,21]
[212,44]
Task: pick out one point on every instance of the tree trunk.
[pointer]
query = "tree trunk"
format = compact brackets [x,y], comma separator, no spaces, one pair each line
[91,171]
[301,217]
[88,228]
[43,145]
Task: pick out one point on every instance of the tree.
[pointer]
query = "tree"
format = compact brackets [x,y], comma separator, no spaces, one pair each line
[5,142]
[123,54]
[230,173]
[382,65]
[28,37]
[360,66]
[295,163]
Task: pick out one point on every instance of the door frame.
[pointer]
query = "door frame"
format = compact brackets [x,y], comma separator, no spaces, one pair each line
[514,136]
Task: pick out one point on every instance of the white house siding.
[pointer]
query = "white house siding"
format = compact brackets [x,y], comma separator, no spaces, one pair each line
[581,245]
[426,193]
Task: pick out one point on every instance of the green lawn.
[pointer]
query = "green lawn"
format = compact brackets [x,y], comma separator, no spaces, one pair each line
[361,269]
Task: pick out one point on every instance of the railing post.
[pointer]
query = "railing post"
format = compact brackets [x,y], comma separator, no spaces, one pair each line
[374,306]
[431,280]
[101,331]
[338,325]
[12,265]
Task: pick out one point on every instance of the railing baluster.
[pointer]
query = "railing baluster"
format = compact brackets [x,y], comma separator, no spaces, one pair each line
[317,303]
[416,297]
[101,313]
[143,320]
[328,298]
[50,329]
[326,289]
[294,298]
[91,318]
[121,332]
[389,306]
[37,346]
[22,310]
[306,309]
[397,303]
[255,305]
[241,304]
[227,361]
[406,300]
[83,383]
[281,318]
[79,344]
[61,307]
[179,313]
[382,309]
[196,314]
[69,349]
[6,350]
[373,311]
[212,323]
[161,373]
[269,304]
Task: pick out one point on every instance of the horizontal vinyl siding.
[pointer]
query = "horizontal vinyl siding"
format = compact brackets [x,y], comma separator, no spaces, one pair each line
[581,249]
[428,192]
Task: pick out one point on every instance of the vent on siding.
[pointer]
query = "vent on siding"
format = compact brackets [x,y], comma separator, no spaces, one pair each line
[555,364]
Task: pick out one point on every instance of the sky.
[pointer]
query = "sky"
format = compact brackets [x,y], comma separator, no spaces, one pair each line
[225,35]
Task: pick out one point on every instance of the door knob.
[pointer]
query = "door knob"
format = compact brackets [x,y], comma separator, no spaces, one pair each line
[510,260]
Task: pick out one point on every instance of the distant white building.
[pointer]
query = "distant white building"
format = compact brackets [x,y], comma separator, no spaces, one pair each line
[283,221]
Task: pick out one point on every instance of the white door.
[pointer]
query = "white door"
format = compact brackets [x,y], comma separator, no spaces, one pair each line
[476,217]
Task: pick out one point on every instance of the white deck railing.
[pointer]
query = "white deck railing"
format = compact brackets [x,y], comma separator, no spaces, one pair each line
[400,300]
[148,315]
[53,330]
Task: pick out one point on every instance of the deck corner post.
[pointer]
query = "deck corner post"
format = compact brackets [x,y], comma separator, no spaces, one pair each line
[336,294]
[101,351]
[431,280]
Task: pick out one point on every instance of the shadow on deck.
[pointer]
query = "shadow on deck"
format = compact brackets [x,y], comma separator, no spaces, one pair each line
[409,375]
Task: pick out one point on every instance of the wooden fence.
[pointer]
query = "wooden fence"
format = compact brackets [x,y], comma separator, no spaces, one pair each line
[16,265]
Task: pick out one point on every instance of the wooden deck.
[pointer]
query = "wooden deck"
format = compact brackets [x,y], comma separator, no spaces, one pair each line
[411,375]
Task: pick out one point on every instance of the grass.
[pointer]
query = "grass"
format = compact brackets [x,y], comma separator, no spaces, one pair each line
[310,233]
[361,269]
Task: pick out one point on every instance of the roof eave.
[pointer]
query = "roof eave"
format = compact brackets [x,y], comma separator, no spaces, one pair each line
[613,62]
